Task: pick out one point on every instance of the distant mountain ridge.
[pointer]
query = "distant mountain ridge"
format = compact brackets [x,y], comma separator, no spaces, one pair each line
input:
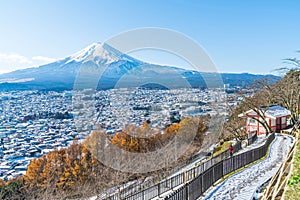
[119,70]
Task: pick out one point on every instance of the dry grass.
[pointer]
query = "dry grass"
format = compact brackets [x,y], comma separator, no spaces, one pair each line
[293,187]
[221,148]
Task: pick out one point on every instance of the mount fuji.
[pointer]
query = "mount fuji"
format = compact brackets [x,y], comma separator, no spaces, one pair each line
[116,69]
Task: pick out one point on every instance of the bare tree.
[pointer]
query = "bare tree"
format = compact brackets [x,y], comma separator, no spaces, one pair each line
[287,93]
[235,125]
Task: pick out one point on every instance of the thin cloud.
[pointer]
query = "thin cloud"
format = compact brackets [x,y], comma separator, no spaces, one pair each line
[14,58]
[12,61]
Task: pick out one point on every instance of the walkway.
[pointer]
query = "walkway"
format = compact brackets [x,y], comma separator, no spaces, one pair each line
[244,184]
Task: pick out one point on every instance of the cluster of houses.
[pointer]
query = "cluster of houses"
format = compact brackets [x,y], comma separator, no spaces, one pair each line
[160,108]
[33,123]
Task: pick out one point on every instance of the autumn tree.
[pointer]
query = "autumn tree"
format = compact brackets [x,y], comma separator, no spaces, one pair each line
[62,169]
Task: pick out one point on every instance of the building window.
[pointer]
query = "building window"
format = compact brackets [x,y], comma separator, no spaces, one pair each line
[251,121]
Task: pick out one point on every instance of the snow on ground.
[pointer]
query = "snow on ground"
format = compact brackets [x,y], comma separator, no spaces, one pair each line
[244,184]
[259,142]
[261,139]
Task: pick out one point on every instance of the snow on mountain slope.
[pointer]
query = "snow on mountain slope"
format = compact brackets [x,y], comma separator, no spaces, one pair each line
[62,73]
[100,51]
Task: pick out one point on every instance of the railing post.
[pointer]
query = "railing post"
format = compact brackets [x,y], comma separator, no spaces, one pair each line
[213,172]
[143,194]
[158,189]
[119,194]
[194,173]
[234,165]
[222,168]
[202,191]
[187,191]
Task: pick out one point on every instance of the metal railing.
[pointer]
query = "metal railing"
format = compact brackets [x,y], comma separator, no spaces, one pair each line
[197,186]
[142,193]
[252,139]
[277,185]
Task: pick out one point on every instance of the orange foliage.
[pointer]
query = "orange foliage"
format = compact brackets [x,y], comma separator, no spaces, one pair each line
[144,138]
[173,128]
[75,165]
[61,168]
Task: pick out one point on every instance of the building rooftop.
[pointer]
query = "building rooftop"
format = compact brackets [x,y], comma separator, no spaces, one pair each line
[277,111]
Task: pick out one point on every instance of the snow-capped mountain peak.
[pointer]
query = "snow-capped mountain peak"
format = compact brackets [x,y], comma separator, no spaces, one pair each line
[100,51]
[118,66]
[83,54]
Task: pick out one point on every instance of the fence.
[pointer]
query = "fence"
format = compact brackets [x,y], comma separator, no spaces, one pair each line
[277,186]
[196,187]
[144,192]
[252,139]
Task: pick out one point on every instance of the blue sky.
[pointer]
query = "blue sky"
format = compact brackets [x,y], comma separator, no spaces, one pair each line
[240,36]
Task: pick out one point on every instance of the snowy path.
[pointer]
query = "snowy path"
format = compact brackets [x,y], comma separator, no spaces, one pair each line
[244,184]
[259,142]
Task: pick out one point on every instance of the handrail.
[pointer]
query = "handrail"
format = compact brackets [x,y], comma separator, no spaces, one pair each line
[207,178]
[252,139]
[172,182]
[276,186]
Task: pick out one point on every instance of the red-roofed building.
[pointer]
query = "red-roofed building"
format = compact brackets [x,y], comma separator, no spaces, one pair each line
[276,117]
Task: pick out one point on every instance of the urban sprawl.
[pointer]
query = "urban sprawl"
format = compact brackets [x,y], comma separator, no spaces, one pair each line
[33,123]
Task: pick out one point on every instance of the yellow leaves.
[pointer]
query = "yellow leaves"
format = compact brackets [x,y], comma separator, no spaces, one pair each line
[2,182]
[124,142]
[61,168]
[134,145]
[119,139]
[145,138]
[145,124]
[173,128]
[67,168]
